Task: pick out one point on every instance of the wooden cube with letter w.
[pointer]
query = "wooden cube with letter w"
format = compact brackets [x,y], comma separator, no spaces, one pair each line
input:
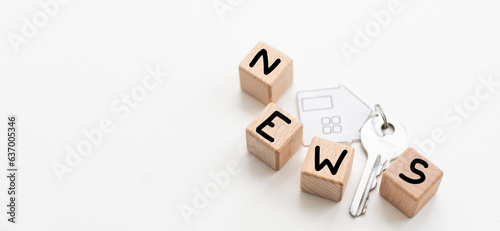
[326,169]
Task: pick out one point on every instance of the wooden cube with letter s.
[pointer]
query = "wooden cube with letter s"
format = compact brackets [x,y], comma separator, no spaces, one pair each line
[410,182]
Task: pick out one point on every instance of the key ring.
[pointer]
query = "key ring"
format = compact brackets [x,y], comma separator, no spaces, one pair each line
[379,109]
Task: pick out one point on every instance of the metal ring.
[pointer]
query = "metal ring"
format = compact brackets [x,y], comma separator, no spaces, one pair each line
[379,109]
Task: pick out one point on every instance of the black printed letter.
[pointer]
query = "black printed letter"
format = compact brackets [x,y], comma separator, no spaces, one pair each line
[318,166]
[269,122]
[267,69]
[416,171]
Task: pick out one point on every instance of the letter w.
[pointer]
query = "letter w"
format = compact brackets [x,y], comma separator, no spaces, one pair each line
[318,166]
[267,69]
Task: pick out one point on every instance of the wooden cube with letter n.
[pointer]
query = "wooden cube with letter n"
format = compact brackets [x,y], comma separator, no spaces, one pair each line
[410,182]
[274,136]
[326,169]
[265,73]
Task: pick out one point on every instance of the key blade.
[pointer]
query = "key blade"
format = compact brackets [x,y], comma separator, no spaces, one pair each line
[385,166]
[381,148]
[374,184]
[366,184]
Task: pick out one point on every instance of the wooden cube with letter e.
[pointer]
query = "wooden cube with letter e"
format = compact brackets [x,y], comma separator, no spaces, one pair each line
[265,73]
[274,136]
[410,182]
[326,169]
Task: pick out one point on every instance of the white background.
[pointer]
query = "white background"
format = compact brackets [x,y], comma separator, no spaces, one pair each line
[89,53]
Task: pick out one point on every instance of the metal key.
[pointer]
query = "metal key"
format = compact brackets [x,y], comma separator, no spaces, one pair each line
[381,148]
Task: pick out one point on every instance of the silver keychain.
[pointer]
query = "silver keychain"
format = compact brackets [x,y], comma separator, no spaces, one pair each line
[381,147]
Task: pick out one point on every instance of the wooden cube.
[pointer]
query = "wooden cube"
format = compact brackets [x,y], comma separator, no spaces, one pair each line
[410,182]
[274,136]
[326,169]
[265,73]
